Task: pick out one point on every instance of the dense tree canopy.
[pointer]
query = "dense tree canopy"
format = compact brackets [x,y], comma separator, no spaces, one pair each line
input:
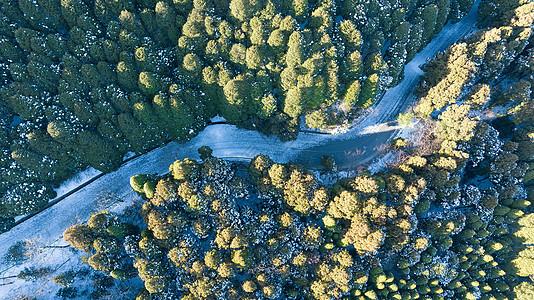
[83,83]
[88,77]
[419,228]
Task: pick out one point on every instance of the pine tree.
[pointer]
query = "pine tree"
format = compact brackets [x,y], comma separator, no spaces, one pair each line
[130,22]
[45,17]
[243,9]
[415,40]
[183,170]
[192,63]
[429,17]
[149,83]
[26,100]
[242,258]
[454,124]
[97,152]
[524,291]
[396,61]
[369,91]
[236,92]
[373,64]
[300,9]
[295,53]
[353,65]
[257,37]
[352,92]
[165,17]
[80,237]
[254,58]
[350,35]
[127,75]
[293,103]
[144,112]
[238,54]
[139,137]
[316,119]
[443,14]
[277,40]
[63,132]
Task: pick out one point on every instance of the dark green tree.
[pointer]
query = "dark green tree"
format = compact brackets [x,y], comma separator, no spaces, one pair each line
[369,91]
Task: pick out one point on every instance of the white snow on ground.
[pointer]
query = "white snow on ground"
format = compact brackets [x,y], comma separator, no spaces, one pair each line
[128,155]
[381,127]
[226,141]
[59,260]
[48,226]
[76,180]
[218,118]
[380,163]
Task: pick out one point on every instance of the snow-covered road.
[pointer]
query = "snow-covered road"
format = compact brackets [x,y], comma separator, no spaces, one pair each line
[374,132]
[229,142]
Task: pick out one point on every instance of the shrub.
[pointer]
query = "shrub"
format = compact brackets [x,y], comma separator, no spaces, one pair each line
[137,182]
[65,279]
[67,293]
[17,253]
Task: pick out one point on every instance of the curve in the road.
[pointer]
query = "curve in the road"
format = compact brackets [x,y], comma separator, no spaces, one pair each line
[359,143]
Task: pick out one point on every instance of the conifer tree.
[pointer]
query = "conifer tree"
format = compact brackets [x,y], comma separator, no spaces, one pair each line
[350,35]
[373,64]
[443,13]
[295,53]
[415,39]
[316,119]
[97,152]
[368,91]
[293,103]
[127,75]
[429,17]
[353,64]
[243,9]
[352,92]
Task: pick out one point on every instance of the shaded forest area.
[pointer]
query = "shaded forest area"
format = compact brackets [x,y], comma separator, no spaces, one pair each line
[85,82]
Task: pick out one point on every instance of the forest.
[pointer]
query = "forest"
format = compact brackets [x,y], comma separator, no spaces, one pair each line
[83,83]
[450,219]
[451,224]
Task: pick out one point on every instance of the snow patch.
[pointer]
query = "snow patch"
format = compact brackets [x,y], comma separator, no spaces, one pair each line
[217,118]
[128,155]
[382,162]
[381,127]
[78,179]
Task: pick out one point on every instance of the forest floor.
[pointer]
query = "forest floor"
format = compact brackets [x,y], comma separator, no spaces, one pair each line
[361,144]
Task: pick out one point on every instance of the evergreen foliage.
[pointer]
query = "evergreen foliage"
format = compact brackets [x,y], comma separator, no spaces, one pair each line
[95,80]
[451,222]
[202,230]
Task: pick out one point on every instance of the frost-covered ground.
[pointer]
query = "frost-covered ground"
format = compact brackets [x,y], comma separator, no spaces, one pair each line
[360,144]
[76,180]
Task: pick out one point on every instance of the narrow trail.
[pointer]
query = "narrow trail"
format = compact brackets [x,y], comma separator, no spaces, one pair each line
[358,145]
